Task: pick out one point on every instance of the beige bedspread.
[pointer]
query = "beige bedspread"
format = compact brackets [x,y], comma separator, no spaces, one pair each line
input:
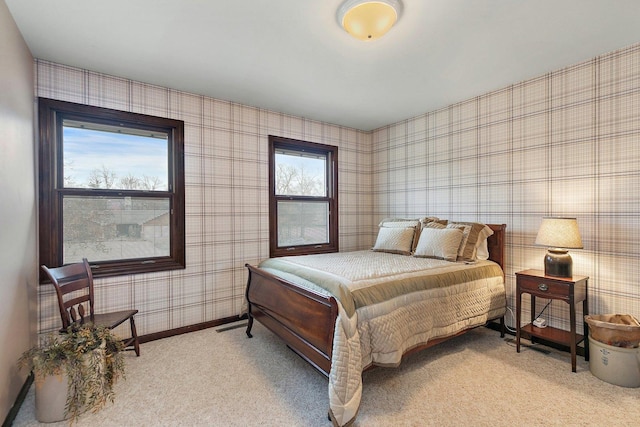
[389,304]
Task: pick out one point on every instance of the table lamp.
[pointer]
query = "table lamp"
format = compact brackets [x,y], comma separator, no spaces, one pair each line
[558,235]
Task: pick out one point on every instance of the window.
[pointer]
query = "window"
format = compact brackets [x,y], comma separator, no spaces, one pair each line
[111,189]
[303,205]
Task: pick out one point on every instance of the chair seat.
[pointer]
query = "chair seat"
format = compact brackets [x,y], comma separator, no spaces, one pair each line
[111,320]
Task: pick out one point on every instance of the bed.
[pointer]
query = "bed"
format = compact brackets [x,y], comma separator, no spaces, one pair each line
[349,311]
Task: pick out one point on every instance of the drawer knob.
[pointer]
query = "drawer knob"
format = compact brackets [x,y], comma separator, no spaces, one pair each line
[543,287]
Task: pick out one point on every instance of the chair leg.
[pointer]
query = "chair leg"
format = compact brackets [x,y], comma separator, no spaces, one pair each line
[134,335]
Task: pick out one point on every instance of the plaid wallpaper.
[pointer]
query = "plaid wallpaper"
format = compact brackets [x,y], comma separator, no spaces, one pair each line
[227,211]
[564,144]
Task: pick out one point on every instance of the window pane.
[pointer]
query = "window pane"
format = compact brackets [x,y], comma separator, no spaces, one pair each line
[303,223]
[113,157]
[300,174]
[114,228]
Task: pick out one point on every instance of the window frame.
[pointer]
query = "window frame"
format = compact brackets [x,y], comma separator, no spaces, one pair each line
[51,114]
[331,174]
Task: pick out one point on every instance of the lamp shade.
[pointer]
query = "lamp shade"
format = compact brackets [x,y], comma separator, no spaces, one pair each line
[559,233]
[368,19]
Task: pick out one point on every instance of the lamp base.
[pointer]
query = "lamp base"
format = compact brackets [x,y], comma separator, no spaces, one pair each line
[558,263]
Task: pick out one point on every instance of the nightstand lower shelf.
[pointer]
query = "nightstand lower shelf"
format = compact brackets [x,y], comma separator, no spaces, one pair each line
[558,336]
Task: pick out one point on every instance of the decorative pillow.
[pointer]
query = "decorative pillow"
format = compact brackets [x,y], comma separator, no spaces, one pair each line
[434,224]
[439,243]
[395,240]
[430,224]
[432,219]
[403,223]
[472,232]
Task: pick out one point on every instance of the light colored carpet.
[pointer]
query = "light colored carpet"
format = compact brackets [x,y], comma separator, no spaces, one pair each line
[207,378]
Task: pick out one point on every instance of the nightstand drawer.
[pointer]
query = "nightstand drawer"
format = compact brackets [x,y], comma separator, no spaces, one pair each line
[542,287]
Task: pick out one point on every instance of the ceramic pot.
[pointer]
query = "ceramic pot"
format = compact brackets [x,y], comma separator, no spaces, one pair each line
[51,391]
[51,397]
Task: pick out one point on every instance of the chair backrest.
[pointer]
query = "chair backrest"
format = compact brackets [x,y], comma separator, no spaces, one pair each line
[74,288]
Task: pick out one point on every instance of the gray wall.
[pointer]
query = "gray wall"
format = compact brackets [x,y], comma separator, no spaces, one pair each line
[18,265]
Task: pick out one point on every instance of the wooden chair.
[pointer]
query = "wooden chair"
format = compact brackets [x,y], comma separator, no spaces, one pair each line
[74,287]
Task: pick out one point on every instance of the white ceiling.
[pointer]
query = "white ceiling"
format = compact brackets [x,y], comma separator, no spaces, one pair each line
[291,56]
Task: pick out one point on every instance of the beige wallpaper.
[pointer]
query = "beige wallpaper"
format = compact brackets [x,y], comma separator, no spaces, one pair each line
[226,172]
[565,144]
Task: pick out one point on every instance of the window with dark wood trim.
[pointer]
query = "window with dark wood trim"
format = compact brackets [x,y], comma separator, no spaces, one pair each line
[303,197]
[111,189]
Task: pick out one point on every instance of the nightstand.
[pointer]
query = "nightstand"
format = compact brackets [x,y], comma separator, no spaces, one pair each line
[570,290]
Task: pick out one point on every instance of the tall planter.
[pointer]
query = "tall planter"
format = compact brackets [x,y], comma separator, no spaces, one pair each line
[74,372]
[55,401]
[51,397]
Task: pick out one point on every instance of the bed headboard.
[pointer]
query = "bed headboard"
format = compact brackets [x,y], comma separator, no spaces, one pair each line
[496,244]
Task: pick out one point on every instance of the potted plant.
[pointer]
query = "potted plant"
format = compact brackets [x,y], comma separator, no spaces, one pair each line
[86,361]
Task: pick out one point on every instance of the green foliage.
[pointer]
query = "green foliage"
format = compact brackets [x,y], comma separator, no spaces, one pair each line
[90,356]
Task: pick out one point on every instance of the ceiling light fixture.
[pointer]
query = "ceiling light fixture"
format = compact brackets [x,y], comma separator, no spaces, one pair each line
[368,19]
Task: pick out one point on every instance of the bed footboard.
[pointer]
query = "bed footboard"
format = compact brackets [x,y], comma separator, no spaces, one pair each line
[305,320]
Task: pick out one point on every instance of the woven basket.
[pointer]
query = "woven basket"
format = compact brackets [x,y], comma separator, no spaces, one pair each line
[617,330]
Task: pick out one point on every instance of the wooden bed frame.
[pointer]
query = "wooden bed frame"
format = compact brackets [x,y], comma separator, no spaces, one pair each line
[305,320]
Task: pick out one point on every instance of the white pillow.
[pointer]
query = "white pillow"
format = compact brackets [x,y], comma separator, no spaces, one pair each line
[439,243]
[482,252]
[394,240]
[399,222]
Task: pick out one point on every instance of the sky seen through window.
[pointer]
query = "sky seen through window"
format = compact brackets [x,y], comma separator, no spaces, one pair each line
[123,154]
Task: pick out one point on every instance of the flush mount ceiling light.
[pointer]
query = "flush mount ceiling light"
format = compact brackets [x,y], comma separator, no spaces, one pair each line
[368,19]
